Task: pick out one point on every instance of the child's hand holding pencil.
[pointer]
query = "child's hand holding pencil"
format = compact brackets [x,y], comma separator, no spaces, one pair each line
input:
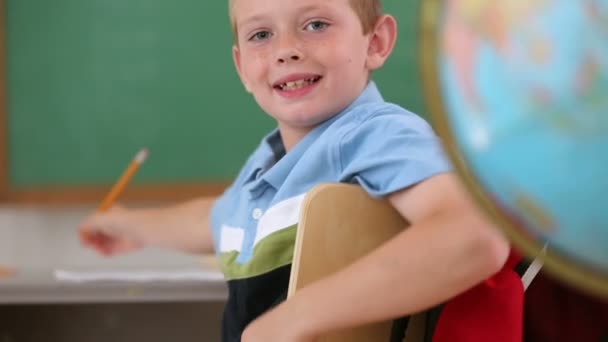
[112,232]
[112,229]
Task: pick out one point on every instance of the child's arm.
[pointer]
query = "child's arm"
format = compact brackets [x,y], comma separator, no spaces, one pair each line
[184,227]
[448,248]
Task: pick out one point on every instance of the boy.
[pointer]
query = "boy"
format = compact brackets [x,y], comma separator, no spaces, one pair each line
[308,64]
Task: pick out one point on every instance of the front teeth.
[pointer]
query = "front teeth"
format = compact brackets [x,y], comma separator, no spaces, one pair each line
[296,84]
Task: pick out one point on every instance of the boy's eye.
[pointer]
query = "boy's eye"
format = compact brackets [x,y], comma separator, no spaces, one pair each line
[261,35]
[316,25]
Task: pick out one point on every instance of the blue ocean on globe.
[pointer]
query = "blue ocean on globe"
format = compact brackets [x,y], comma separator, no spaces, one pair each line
[526,94]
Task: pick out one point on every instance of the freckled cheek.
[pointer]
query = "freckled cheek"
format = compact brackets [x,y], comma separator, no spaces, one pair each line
[332,50]
[256,65]
[336,59]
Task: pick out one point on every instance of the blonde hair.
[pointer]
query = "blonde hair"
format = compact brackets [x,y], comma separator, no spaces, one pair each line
[368,12]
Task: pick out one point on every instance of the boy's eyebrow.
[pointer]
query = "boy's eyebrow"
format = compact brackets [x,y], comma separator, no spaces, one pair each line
[251,19]
[260,17]
[309,8]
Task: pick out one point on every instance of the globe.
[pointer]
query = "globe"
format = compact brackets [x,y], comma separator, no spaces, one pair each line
[518,91]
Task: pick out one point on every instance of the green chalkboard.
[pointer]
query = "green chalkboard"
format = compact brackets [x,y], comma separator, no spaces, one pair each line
[90,82]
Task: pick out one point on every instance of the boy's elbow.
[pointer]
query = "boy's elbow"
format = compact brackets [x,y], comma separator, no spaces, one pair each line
[491,247]
[497,253]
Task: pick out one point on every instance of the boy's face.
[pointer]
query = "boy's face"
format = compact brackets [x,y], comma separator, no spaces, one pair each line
[303,60]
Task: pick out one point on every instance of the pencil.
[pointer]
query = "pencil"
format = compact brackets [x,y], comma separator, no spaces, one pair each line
[122,182]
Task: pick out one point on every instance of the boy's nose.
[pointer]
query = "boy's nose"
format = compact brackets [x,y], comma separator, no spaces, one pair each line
[288,49]
[293,57]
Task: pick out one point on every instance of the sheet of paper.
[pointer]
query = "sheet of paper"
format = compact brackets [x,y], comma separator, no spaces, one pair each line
[132,275]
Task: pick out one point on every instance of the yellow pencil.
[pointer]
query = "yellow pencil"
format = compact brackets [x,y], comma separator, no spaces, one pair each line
[124,179]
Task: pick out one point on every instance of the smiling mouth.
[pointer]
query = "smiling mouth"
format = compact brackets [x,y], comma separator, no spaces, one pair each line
[295,85]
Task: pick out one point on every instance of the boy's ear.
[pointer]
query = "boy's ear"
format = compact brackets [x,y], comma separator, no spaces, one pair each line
[382,41]
[236,57]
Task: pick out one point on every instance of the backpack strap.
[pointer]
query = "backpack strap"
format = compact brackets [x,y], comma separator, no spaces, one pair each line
[534,268]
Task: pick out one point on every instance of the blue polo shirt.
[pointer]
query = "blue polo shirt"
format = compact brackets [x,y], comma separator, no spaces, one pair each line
[378,145]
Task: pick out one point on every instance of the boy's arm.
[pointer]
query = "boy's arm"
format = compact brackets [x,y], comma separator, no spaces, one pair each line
[183,227]
[448,248]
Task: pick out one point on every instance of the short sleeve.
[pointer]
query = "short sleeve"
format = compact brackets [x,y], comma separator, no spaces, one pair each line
[391,151]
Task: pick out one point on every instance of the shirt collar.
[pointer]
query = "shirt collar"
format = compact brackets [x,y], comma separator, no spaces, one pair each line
[276,164]
[270,151]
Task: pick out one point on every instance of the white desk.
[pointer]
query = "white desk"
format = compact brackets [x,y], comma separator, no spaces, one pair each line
[39,241]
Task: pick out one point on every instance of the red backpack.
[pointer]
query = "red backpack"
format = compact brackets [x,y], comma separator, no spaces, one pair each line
[491,311]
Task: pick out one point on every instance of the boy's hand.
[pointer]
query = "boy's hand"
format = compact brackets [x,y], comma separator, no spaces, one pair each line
[277,325]
[183,227]
[110,233]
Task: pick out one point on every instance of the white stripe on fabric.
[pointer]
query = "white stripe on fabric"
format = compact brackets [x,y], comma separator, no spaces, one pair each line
[534,268]
[231,239]
[278,217]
